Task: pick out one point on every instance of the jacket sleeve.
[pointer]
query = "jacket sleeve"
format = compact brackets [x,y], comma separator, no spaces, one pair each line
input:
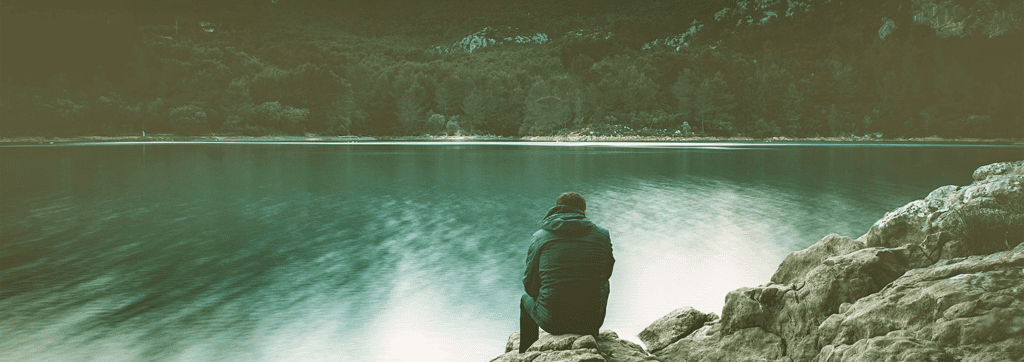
[531,277]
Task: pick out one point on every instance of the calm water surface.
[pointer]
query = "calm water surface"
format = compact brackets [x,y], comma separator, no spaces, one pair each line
[381,252]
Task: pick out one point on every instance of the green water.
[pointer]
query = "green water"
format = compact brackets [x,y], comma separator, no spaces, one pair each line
[372,252]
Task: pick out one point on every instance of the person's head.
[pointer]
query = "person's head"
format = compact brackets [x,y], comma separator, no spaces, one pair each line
[572,200]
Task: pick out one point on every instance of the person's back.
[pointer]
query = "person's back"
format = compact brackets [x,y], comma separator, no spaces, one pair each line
[567,270]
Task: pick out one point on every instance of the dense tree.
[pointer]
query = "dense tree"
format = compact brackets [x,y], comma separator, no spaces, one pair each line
[481,104]
[188,119]
[547,108]
[237,104]
[683,90]
[274,116]
[712,105]
[793,105]
[764,90]
[624,87]
[412,108]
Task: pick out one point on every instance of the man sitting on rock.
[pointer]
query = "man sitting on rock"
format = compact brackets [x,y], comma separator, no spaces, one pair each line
[567,270]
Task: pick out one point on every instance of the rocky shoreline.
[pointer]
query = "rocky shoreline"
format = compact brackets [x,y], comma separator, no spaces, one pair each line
[39,140]
[939,279]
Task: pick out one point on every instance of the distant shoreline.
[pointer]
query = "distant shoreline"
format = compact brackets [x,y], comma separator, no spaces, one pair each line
[557,138]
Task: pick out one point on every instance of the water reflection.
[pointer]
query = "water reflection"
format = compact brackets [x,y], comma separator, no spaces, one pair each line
[397,252]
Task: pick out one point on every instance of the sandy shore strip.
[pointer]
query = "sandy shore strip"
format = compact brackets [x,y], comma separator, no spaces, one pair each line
[558,138]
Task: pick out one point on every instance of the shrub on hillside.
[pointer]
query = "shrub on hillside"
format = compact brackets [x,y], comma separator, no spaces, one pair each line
[764,129]
[435,124]
[274,115]
[187,120]
[978,126]
[153,115]
[114,114]
[452,128]
[720,128]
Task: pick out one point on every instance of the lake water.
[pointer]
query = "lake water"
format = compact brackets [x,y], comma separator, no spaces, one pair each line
[401,252]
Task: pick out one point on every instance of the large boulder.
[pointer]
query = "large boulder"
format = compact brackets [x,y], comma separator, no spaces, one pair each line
[709,345]
[970,309]
[574,348]
[903,289]
[670,328]
[794,311]
[982,218]
[785,317]
[614,349]
[798,263]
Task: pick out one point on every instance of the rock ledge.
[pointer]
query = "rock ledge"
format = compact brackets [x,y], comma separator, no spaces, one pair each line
[575,348]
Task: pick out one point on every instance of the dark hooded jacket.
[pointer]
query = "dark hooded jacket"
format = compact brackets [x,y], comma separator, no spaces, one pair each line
[567,270]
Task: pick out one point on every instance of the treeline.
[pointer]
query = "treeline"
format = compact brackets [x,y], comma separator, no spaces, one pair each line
[301,72]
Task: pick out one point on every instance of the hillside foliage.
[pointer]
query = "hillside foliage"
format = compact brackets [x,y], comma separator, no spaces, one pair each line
[300,67]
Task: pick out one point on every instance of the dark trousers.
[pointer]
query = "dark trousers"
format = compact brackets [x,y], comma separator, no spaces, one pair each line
[528,329]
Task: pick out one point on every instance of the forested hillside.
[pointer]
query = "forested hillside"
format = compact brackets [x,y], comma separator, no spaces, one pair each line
[760,68]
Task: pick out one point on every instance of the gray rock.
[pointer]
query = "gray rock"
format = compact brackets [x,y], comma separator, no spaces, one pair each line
[982,19]
[513,342]
[886,348]
[995,169]
[572,355]
[971,309]
[584,342]
[574,348]
[515,356]
[980,218]
[794,311]
[670,328]
[554,342]
[751,344]
[621,350]
[840,299]
[798,263]
[575,355]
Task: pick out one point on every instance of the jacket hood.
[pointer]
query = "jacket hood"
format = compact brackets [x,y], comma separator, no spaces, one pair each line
[566,221]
